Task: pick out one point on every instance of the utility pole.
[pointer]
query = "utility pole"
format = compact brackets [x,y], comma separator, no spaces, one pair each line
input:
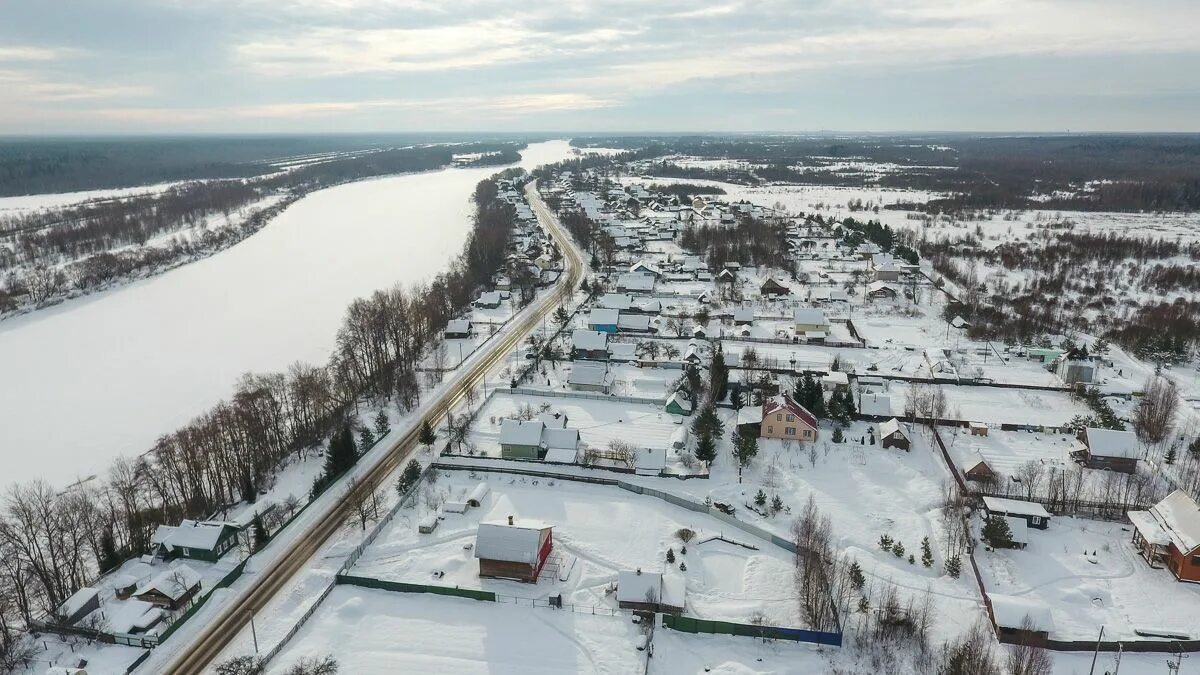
[1092,670]
[253,632]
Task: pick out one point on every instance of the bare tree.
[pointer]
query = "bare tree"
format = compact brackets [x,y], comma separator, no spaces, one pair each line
[1025,658]
[1156,413]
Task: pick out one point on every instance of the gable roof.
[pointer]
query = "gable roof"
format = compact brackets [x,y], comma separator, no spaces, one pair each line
[173,583]
[616,301]
[1010,611]
[811,316]
[635,282]
[521,432]
[603,317]
[640,322]
[458,326]
[1111,443]
[191,534]
[589,340]
[785,403]
[519,542]
[679,400]
[1015,507]
[560,439]
[890,427]
[1180,517]
[639,586]
[876,405]
[587,373]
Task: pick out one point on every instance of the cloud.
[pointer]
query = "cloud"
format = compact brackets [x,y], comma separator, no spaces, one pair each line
[29,87]
[31,53]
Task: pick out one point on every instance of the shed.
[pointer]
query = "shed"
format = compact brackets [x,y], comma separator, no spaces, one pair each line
[743,316]
[978,428]
[634,323]
[1018,530]
[513,549]
[650,591]
[877,406]
[427,524]
[834,380]
[171,588]
[1033,513]
[977,468]
[649,461]
[1021,617]
[678,405]
[893,435]
[81,603]
[772,287]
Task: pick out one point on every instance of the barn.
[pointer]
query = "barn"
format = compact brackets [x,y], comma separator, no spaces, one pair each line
[513,549]
[893,435]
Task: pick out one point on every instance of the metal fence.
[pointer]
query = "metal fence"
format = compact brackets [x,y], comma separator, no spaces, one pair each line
[403,587]
[688,624]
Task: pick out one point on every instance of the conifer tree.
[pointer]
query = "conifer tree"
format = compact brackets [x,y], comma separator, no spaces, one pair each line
[382,425]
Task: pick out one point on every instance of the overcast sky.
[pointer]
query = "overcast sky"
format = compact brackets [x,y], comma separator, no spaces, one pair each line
[131,66]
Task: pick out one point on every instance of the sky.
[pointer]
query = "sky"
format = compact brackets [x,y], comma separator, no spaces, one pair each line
[263,66]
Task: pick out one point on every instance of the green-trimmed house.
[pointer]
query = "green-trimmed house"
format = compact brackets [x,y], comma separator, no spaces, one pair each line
[521,439]
[196,540]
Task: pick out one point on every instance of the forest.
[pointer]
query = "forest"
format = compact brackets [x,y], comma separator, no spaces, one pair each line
[52,543]
[1097,172]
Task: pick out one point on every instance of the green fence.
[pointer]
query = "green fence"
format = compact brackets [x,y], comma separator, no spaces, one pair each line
[401,587]
[689,624]
[225,581]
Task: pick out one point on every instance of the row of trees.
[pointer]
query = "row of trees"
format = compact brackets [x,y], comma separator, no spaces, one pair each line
[52,543]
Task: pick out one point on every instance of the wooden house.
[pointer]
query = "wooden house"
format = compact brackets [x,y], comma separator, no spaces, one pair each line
[206,541]
[1169,533]
[650,591]
[458,328]
[1110,449]
[589,345]
[893,435]
[171,589]
[513,549]
[770,287]
[786,419]
[1033,513]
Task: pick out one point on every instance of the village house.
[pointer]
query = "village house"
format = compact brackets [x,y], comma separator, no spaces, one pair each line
[457,329]
[786,419]
[1033,513]
[976,468]
[773,288]
[490,299]
[513,549]
[1110,449]
[677,404]
[634,323]
[743,316]
[206,541]
[534,439]
[589,345]
[882,290]
[1169,533]
[603,320]
[810,320]
[171,588]
[893,435]
[635,284]
[650,591]
[589,376]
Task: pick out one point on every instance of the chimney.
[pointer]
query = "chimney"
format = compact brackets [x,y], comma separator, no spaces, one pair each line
[510,520]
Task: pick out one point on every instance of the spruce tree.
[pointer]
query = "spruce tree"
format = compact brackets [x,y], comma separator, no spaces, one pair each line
[954,565]
[427,435]
[109,558]
[926,553]
[856,576]
[382,425]
[412,473]
[366,439]
[706,448]
[260,532]
[760,499]
[996,532]
[670,556]
[776,504]
[745,447]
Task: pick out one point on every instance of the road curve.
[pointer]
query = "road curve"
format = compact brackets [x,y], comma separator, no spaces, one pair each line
[216,635]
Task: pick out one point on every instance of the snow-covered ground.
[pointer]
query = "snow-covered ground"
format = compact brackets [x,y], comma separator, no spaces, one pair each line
[370,631]
[25,203]
[139,361]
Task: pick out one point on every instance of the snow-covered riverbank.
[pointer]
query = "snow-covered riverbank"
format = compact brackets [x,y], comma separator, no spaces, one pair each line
[105,375]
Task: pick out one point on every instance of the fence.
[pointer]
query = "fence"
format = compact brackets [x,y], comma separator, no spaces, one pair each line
[402,587]
[689,624]
[225,581]
[571,393]
[312,609]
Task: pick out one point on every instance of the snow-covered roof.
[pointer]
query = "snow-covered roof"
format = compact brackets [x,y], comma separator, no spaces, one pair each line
[603,317]
[1149,527]
[458,326]
[521,432]
[173,583]
[1015,507]
[1111,443]
[561,455]
[750,414]
[639,322]
[191,534]
[810,316]
[635,282]
[638,586]
[587,373]
[890,427]
[682,402]
[519,542]
[1180,517]
[787,404]
[836,378]
[589,340]
[878,405]
[1010,612]
[560,439]
[616,301]
[1018,528]
[78,601]
[650,459]
[489,298]
[876,286]
[743,314]
[622,351]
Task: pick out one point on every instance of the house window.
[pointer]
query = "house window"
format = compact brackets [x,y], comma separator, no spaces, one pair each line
[790,431]
[770,430]
[778,418]
[1196,560]
[791,418]
[808,433]
[1036,520]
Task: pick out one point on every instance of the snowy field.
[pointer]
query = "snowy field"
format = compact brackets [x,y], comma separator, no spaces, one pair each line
[370,631]
[25,203]
[598,421]
[598,531]
[996,405]
[131,364]
[1089,575]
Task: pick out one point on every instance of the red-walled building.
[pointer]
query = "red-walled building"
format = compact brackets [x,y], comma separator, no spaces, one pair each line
[516,549]
[1169,533]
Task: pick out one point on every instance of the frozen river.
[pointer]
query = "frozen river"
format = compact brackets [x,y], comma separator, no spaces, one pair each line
[106,375]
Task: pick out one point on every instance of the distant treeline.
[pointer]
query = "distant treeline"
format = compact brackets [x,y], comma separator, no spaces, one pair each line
[687,190]
[53,543]
[52,251]
[1149,172]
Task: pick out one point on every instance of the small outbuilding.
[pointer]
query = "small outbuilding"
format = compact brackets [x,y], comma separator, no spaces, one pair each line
[678,405]
[650,591]
[589,376]
[1021,618]
[171,588]
[649,461]
[513,549]
[978,428]
[590,345]
[892,434]
[458,329]
[1033,513]
[80,604]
